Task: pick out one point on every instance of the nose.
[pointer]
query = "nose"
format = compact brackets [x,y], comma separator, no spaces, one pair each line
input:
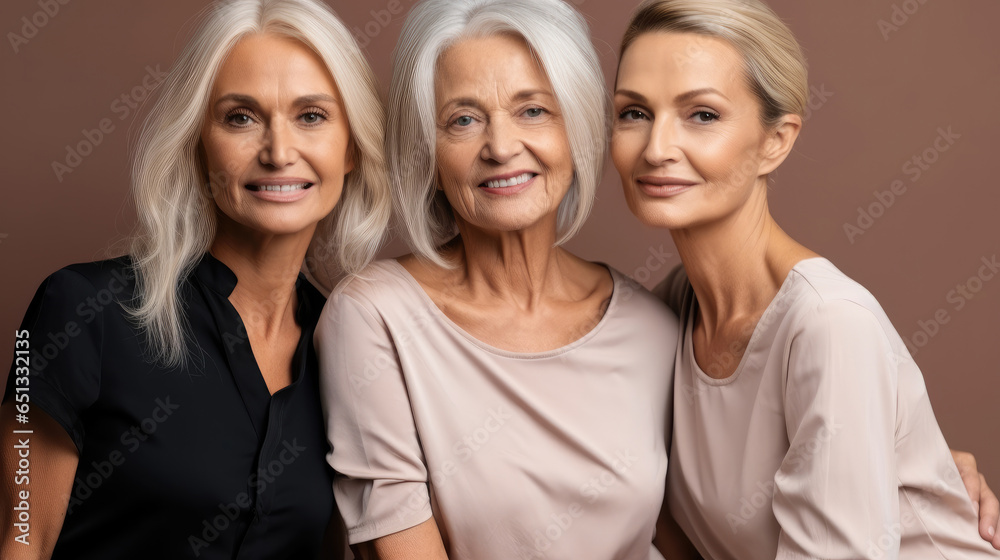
[663,145]
[503,140]
[279,148]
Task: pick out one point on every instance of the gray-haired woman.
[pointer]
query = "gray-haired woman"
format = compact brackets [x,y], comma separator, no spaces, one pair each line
[493,395]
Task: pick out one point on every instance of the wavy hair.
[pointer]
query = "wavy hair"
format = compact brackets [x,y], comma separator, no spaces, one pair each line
[176,214]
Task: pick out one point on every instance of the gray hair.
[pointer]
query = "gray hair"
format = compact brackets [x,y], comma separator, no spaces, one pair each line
[558,37]
[176,214]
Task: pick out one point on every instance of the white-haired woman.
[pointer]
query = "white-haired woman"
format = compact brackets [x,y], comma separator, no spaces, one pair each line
[802,428]
[178,416]
[493,395]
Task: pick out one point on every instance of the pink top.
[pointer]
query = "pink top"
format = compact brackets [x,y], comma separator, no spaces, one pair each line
[557,454]
[822,444]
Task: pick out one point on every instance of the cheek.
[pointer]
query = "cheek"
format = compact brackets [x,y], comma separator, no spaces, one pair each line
[725,159]
[626,148]
[455,162]
[227,157]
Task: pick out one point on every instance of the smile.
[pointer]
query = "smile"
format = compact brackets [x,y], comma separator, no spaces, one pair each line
[510,182]
[280,188]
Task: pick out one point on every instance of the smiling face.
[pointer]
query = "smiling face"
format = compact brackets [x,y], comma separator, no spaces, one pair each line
[688,140]
[502,152]
[275,142]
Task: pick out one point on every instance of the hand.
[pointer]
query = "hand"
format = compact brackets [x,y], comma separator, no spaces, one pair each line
[983,499]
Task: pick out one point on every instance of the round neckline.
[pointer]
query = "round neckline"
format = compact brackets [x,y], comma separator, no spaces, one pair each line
[612,304]
[765,319]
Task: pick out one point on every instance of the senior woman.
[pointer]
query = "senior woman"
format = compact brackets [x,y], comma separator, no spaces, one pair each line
[492,395]
[802,428]
[180,416]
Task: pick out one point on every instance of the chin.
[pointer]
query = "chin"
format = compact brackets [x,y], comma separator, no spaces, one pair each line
[662,214]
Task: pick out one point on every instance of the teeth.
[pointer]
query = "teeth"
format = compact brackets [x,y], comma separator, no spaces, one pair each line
[513,181]
[281,188]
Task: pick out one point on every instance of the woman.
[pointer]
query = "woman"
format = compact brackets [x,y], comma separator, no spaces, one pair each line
[180,415]
[493,395]
[802,428]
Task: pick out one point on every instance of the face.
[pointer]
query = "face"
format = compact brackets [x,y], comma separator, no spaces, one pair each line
[275,142]
[503,156]
[687,139]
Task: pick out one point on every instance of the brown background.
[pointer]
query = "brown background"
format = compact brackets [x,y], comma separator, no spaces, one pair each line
[879,102]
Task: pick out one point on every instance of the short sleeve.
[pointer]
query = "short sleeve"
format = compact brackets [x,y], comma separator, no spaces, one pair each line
[65,333]
[381,478]
[836,492]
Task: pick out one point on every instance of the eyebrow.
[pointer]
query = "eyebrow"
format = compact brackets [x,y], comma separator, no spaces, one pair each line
[472,102]
[686,96]
[302,100]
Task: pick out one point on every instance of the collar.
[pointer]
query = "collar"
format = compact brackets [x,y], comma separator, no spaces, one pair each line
[216,276]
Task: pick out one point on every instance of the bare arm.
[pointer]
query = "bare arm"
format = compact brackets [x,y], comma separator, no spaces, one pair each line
[422,542]
[48,480]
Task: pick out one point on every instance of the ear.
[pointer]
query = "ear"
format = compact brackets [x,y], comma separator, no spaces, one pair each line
[779,141]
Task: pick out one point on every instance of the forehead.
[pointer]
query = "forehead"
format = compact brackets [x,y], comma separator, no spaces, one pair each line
[265,62]
[681,61]
[485,66]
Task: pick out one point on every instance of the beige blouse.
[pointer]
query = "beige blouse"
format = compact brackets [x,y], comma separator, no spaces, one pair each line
[557,454]
[822,444]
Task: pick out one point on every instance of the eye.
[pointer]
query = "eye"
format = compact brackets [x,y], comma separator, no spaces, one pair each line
[705,117]
[312,117]
[632,114]
[534,112]
[464,120]
[239,118]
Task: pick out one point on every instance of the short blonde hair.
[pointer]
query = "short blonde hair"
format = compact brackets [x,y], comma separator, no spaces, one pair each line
[774,64]
[558,37]
[177,217]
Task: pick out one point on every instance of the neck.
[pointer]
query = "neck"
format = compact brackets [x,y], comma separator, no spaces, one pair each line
[736,265]
[266,267]
[521,266]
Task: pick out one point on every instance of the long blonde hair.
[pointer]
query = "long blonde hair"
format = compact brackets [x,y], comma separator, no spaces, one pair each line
[176,215]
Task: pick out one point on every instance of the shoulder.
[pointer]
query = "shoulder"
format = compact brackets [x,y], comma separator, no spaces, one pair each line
[827,305]
[635,301]
[382,282]
[108,280]
[114,275]
[383,290]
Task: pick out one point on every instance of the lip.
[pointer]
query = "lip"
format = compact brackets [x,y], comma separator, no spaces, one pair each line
[508,190]
[279,196]
[662,187]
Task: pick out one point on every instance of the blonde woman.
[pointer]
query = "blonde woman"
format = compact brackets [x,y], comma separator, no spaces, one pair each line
[802,428]
[177,414]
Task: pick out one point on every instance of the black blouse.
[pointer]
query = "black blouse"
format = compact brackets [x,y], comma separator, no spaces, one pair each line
[193,462]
